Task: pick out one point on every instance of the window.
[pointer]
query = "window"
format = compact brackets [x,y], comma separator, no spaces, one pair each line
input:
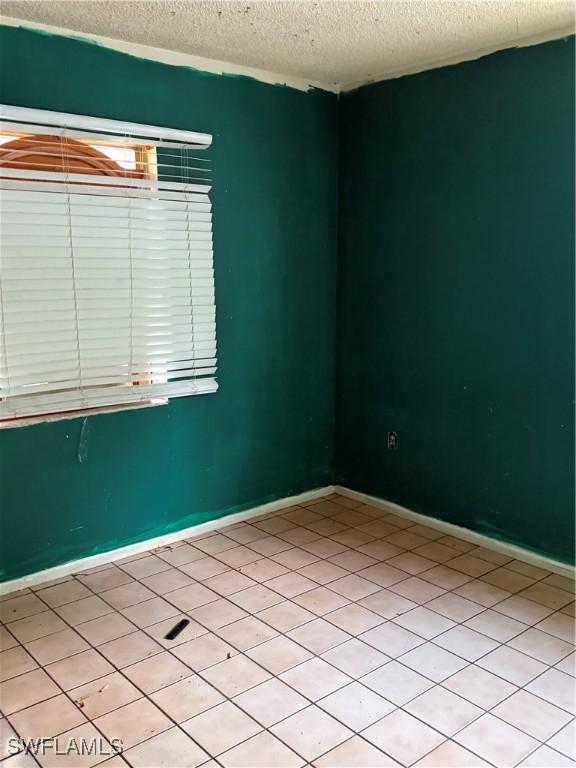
[106,271]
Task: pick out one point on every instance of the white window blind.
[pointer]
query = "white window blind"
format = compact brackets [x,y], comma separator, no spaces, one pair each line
[106,276]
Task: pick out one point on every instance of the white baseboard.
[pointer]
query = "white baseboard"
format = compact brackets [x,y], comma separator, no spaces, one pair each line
[450,529]
[85,563]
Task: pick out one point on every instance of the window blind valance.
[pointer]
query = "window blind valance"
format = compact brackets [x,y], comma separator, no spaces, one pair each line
[106,264]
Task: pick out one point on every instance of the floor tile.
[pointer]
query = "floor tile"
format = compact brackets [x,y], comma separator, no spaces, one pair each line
[269,545]
[246,633]
[186,698]
[542,646]
[356,706]
[133,723]
[454,607]
[157,672]
[67,592]
[559,625]
[79,669]
[101,581]
[106,628]
[318,636]
[238,556]
[129,649]
[473,566]
[387,604]
[545,757]
[355,658]
[547,595]
[381,574]
[49,718]
[354,619]
[83,610]
[530,714]
[440,553]
[403,737]
[424,623]
[221,728]
[36,626]
[311,732]
[81,734]
[451,755]
[523,610]
[355,753]
[7,641]
[445,577]
[103,695]
[315,678]
[496,741]
[417,590]
[443,710]
[204,568]
[170,749]
[482,593]
[261,751]
[508,580]
[391,639]
[466,643]
[191,631]
[565,740]
[235,675]
[15,661]
[127,595]
[217,614]
[568,665]
[320,601]
[496,625]
[555,687]
[167,581]
[324,548]
[192,596]
[57,646]
[396,683]
[229,582]
[25,690]
[435,663]
[146,566]
[354,587]
[285,616]
[411,563]
[256,598]
[512,665]
[323,572]
[480,687]
[204,651]
[279,654]
[374,612]
[270,702]
[295,559]
[20,607]
[353,561]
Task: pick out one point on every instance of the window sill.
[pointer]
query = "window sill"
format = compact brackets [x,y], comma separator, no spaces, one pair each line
[41,418]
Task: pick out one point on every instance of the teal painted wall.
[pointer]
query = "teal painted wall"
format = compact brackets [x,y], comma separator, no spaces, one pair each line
[455,305]
[268,432]
[456,309]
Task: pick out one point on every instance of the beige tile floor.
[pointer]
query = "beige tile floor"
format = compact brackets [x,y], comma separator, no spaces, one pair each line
[330,634]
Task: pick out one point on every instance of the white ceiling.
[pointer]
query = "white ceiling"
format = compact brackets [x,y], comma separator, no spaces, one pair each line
[329,41]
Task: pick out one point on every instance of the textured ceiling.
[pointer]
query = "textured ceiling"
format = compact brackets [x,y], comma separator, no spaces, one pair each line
[329,41]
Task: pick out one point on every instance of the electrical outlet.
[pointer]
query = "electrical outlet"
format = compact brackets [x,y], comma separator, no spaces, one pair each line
[392,441]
